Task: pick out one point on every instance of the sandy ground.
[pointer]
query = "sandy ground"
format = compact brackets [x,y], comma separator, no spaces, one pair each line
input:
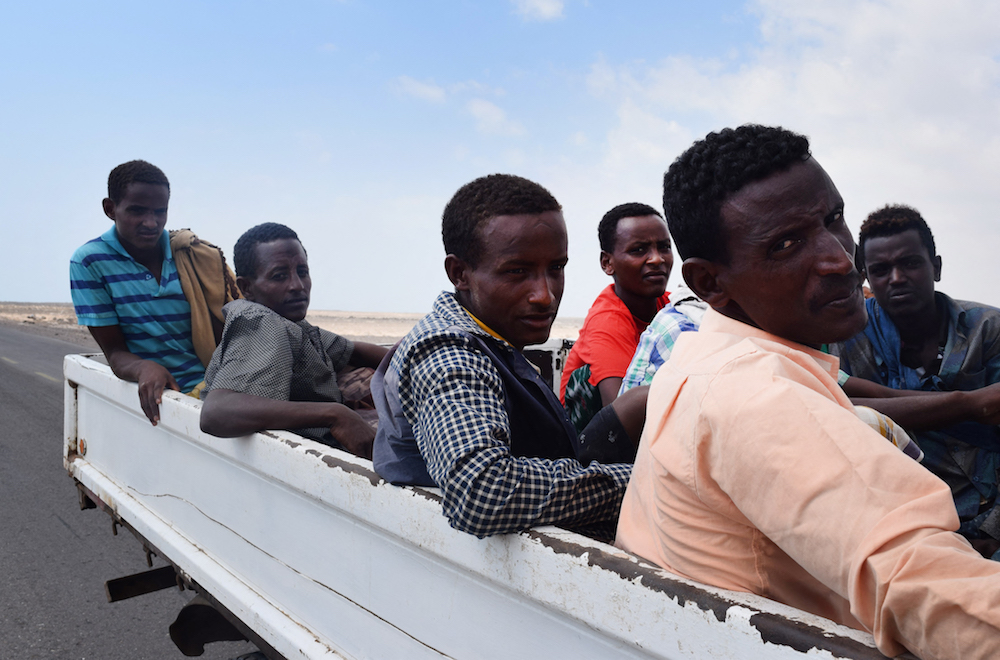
[57,320]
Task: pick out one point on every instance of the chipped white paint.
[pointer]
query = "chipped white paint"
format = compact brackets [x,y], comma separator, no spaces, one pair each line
[322,559]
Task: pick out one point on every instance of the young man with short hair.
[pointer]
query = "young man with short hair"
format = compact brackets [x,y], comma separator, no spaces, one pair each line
[920,339]
[635,251]
[126,289]
[459,405]
[273,369]
[754,472]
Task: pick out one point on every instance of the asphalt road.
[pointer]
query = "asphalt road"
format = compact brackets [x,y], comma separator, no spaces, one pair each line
[55,558]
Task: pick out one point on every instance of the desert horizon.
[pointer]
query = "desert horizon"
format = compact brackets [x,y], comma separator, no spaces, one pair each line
[57,320]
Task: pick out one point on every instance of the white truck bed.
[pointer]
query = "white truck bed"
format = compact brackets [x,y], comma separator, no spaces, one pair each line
[320,558]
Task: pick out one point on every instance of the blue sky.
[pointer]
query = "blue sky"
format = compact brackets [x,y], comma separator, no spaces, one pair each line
[353,122]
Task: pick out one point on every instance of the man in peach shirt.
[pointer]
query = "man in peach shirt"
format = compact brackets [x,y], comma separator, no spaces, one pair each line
[754,473]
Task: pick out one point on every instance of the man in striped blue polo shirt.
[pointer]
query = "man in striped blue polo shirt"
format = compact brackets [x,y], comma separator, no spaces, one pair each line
[126,289]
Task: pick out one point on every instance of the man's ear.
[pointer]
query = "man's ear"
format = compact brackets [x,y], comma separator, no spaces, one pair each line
[702,276]
[458,272]
[246,287]
[606,265]
[936,262]
[109,207]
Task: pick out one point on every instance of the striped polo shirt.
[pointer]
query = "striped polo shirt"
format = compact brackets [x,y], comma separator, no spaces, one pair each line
[109,287]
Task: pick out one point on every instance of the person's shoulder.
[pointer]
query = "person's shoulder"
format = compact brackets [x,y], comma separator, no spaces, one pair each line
[447,328]
[245,312]
[607,302]
[186,239]
[241,307]
[436,328]
[976,320]
[669,318]
[978,308]
[608,314]
[724,355]
[95,246]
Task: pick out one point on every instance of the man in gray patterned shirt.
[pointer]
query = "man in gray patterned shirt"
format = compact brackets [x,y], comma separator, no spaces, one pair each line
[459,405]
[272,369]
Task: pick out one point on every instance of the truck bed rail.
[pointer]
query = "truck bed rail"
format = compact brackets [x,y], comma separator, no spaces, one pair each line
[321,558]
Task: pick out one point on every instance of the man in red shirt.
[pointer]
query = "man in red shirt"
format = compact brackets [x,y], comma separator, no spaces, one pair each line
[636,252]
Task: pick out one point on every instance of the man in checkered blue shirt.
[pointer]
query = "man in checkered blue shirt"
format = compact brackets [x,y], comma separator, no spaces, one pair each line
[459,405]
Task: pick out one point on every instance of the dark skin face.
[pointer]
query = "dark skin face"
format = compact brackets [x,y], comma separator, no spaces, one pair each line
[791,269]
[139,219]
[282,281]
[516,286]
[640,263]
[902,274]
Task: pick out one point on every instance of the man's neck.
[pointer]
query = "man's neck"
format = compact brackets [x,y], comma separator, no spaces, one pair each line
[921,336]
[487,329]
[152,259]
[921,327]
[641,308]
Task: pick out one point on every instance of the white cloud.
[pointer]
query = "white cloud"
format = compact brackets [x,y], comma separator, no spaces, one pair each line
[539,10]
[420,90]
[491,119]
[328,48]
[476,87]
[900,99]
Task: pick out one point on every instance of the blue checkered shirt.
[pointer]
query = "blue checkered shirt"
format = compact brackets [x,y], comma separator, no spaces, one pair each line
[453,397]
[656,344]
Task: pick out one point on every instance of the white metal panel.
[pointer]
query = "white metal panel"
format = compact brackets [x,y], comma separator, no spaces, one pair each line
[317,555]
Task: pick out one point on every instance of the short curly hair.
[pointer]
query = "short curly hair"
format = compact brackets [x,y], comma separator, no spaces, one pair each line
[485,198]
[607,228]
[245,252]
[134,171]
[704,176]
[894,219]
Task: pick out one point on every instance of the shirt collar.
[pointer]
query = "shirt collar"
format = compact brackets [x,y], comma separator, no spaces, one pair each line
[448,306]
[717,322]
[490,331]
[111,238]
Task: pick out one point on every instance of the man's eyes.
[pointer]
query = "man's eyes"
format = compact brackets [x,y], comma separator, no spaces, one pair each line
[908,264]
[519,270]
[143,210]
[784,244]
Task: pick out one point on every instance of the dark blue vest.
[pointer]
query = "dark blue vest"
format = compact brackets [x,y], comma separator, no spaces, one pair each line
[539,426]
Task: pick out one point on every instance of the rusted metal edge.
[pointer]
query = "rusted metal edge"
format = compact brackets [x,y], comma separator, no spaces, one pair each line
[373,478]
[184,580]
[773,628]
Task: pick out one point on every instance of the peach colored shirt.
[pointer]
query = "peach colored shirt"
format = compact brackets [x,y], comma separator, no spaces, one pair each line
[754,474]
